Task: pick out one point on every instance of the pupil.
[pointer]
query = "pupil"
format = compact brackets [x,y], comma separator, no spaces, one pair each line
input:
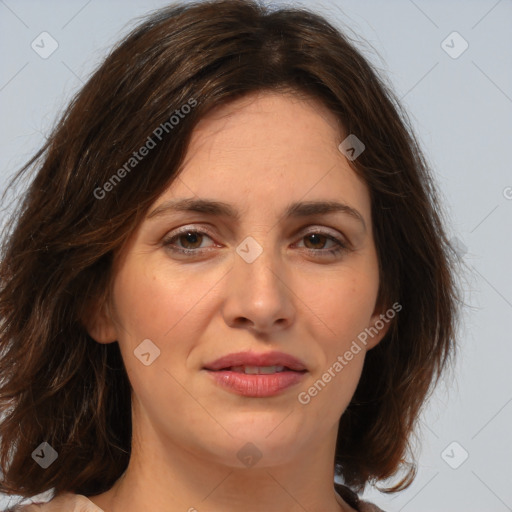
[317,237]
[188,236]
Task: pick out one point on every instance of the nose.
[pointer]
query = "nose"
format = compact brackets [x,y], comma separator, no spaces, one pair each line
[259,295]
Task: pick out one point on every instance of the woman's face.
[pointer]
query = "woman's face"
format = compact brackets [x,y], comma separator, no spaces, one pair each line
[263,281]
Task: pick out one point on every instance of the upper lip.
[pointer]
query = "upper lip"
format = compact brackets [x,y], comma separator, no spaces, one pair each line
[255,359]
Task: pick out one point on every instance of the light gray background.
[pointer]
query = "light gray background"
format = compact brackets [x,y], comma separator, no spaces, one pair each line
[462,111]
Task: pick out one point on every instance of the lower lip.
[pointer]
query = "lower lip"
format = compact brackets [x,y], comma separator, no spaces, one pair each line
[256,385]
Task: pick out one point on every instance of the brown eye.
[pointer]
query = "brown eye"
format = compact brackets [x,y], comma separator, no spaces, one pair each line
[189,241]
[314,243]
[317,240]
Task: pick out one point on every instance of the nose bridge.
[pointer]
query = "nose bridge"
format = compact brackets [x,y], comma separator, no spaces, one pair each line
[257,265]
[257,291]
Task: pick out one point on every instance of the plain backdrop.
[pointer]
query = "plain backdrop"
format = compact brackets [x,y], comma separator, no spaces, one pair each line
[457,89]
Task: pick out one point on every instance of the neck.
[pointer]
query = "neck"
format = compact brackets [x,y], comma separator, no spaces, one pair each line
[164,477]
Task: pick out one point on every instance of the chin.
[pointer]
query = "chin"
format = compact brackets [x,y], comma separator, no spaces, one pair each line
[264,438]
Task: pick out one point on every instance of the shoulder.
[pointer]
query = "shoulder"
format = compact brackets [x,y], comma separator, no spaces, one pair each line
[365,506]
[67,502]
[353,499]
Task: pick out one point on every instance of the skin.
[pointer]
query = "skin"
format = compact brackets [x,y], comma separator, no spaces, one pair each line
[259,154]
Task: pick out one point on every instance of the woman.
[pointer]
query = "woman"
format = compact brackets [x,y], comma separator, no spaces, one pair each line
[229,280]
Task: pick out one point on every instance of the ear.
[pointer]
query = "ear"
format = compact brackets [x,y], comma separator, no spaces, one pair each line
[379,325]
[98,322]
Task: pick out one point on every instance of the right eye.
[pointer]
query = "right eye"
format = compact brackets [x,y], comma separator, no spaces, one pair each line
[186,237]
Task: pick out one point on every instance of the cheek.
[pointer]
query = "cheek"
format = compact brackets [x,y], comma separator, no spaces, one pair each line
[349,305]
[151,300]
[171,308]
[344,308]
[343,303]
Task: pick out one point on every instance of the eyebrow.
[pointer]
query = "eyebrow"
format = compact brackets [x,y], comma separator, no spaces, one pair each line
[219,208]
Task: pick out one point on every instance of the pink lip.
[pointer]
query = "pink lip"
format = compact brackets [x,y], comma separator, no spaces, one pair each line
[257,386]
[254,359]
[261,385]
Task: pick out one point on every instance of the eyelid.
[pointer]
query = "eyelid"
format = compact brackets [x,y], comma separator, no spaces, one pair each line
[189,227]
[315,228]
[311,228]
[185,229]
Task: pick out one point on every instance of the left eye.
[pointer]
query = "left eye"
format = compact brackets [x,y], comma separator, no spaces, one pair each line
[320,238]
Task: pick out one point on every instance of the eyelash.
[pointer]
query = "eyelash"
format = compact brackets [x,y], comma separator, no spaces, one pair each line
[339,249]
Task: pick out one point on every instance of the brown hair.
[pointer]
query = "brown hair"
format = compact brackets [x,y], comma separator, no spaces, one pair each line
[57,384]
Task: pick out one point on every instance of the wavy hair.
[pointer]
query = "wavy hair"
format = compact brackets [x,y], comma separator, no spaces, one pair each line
[58,385]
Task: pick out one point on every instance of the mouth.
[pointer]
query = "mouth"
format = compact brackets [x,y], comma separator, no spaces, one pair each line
[258,370]
[268,361]
[256,375]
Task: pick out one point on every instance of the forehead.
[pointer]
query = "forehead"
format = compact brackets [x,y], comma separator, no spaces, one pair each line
[269,148]
[271,123]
